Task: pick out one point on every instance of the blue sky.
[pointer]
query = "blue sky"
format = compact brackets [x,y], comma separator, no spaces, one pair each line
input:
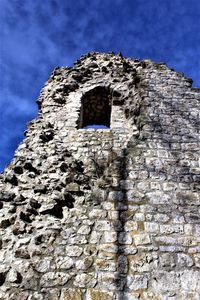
[36,36]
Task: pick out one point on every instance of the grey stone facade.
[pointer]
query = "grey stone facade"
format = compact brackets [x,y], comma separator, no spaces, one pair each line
[101,214]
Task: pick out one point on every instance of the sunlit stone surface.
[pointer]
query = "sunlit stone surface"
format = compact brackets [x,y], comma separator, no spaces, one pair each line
[102,198]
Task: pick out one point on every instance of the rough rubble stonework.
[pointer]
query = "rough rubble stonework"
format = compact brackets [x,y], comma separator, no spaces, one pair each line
[101,214]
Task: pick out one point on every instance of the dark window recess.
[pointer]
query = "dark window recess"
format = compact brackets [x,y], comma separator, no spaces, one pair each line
[96,108]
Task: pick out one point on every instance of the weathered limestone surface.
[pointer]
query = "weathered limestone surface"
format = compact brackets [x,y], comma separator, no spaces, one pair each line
[94,214]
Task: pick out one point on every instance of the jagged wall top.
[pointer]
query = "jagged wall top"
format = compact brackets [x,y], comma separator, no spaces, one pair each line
[89,65]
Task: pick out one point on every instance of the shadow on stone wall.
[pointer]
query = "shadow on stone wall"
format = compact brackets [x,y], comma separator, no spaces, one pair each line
[111,170]
[119,226]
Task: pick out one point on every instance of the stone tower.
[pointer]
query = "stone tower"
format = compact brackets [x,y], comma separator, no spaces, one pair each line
[111,213]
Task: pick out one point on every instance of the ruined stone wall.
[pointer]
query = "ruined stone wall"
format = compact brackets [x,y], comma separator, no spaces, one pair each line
[112,213]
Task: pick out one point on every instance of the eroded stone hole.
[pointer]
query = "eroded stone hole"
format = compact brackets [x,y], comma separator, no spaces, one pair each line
[57,210]
[2,278]
[96,108]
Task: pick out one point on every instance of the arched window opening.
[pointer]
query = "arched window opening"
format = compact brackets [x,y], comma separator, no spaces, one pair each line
[96,109]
